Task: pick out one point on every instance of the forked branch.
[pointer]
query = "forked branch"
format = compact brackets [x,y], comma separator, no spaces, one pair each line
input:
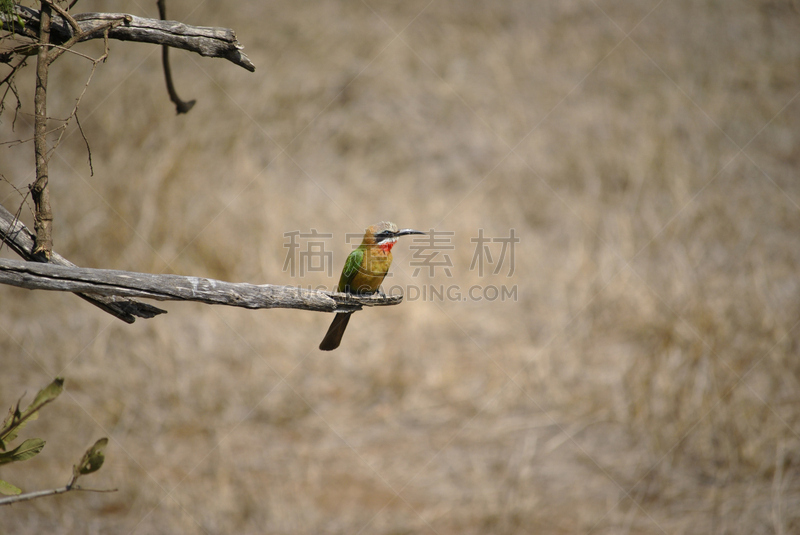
[21,241]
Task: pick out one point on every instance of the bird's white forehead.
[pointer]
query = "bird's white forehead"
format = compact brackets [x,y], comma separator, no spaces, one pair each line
[385,225]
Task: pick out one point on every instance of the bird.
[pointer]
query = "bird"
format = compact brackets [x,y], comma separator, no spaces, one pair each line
[363,272]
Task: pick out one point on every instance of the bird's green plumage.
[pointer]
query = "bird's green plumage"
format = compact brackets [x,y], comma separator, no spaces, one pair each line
[351,267]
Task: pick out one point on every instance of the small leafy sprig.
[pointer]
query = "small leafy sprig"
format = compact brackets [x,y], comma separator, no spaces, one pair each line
[16,420]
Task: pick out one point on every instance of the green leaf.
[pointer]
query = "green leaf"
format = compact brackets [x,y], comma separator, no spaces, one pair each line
[11,433]
[92,460]
[45,396]
[8,489]
[28,449]
[16,420]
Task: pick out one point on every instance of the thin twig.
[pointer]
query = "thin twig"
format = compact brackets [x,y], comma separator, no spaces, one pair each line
[74,112]
[24,195]
[15,142]
[180,105]
[67,16]
[84,36]
[49,492]
[86,142]
[13,70]
[63,49]
[9,82]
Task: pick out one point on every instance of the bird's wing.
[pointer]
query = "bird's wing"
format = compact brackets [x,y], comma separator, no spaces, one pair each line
[351,267]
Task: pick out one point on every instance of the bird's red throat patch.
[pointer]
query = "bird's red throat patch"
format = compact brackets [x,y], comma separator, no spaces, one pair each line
[386,245]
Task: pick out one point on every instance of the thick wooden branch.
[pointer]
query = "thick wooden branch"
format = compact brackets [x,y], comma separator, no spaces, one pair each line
[210,42]
[21,241]
[35,276]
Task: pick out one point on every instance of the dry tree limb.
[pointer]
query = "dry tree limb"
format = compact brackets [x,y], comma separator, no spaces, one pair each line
[206,41]
[53,35]
[35,276]
[21,241]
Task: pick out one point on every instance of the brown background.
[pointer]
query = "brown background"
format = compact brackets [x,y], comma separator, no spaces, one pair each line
[644,381]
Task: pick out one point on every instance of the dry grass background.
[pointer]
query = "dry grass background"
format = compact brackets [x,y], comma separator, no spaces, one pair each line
[646,381]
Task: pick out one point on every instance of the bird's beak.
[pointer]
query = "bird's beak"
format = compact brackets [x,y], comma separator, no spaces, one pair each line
[407,231]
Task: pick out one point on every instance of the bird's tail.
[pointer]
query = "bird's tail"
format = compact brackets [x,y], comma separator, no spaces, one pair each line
[334,335]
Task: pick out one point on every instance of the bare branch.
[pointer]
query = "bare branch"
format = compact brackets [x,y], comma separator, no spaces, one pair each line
[83,36]
[40,192]
[65,15]
[210,42]
[85,142]
[8,81]
[34,276]
[74,112]
[15,142]
[49,492]
[181,106]
[21,241]
[32,495]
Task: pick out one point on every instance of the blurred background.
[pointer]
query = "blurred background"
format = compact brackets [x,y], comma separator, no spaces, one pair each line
[644,378]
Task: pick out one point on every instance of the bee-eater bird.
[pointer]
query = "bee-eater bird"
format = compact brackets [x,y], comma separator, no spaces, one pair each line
[364,271]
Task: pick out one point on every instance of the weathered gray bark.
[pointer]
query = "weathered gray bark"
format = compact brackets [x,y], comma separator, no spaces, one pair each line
[210,42]
[21,241]
[37,276]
